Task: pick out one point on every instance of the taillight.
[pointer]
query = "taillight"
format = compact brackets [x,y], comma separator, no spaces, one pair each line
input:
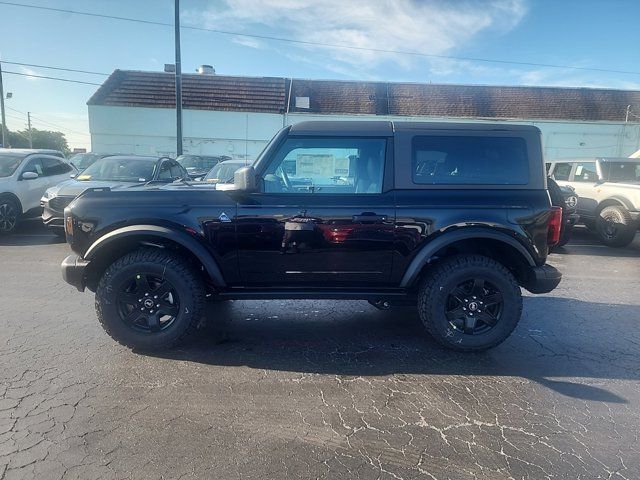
[555,224]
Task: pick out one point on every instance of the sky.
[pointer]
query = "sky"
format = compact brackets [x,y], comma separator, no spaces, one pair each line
[584,33]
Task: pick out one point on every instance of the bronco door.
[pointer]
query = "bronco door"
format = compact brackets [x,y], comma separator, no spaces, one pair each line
[324,215]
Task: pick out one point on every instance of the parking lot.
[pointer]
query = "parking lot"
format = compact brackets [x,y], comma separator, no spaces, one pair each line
[320,389]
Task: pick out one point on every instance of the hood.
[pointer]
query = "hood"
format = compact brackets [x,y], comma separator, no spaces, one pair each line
[73,188]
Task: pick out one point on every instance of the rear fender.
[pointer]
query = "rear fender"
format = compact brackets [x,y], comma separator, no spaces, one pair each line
[428,251]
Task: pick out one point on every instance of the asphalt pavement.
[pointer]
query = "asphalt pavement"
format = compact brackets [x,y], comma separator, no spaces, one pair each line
[321,389]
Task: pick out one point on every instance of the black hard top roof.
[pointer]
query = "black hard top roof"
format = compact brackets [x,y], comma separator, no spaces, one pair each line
[593,159]
[374,128]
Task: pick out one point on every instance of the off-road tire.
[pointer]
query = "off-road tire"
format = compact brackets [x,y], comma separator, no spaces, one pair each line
[187,282]
[8,203]
[442,278]
[625,227]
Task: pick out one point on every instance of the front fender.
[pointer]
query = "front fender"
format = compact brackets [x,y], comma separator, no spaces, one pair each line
[190,243]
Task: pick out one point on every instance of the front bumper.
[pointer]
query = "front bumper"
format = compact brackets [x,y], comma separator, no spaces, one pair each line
[52,218]
[73,271]
[543,279]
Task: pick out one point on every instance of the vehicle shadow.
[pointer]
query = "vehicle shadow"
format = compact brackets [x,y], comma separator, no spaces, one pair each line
[30,232]
[585,242]
[558,339]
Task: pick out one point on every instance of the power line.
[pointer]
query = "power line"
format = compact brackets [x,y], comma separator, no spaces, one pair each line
[55,68]
[37,119]
[46,122]
[50,78]
[15,110]
[321,44]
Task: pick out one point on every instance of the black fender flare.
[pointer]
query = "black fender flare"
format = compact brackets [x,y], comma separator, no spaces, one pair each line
[190,243]
[423,256]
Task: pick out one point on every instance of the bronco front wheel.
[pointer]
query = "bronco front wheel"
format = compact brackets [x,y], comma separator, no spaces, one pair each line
[150,299]
[469,302]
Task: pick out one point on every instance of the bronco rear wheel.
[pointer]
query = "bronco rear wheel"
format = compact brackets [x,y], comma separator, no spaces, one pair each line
[150,299]
[469,303]
[615,227]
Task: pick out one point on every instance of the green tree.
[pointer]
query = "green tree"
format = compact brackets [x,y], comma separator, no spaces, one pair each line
[41,139]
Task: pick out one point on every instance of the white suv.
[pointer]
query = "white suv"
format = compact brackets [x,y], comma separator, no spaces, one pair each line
[608,194]
[24,177]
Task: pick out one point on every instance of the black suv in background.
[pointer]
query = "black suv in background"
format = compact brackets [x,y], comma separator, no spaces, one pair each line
[454,218]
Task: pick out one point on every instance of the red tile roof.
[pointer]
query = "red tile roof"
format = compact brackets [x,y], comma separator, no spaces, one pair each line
[199,92]
[271,95]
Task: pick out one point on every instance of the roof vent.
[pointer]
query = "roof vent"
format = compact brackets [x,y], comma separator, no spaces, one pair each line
[206,70]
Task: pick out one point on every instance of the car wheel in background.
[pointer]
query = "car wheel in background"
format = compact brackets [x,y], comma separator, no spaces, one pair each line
[615,227]
[150,299]
[9,215]
[469,303]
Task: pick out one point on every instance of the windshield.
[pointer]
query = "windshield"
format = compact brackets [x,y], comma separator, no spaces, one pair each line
[223,172]
[197,162]
[119,170]
[9,164]
[83,160]
[624,172]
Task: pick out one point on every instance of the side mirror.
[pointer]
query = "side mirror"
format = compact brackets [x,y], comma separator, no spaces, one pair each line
[244,179]
[29,176]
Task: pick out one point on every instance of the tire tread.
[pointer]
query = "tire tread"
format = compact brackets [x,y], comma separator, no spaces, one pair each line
[434,278]
[169,259]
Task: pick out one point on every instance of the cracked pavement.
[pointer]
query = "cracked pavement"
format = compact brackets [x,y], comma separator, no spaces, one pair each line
[320,389]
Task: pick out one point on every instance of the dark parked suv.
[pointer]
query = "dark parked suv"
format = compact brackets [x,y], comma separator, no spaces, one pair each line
[453,218]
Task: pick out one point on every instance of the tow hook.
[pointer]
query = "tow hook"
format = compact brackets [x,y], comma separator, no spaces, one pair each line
[381,304]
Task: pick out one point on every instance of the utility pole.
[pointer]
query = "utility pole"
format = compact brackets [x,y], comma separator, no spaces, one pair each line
[5,135]
[178,81]
[29,123]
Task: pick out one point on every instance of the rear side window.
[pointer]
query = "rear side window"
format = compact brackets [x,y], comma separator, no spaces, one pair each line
[460,160]
[54,167]
[562,171]
[585,172]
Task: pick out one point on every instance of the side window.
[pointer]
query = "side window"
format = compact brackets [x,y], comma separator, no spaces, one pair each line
[562,171]
[176,171]
[165,171]
[585,172]
[460,160]
[53,166]
[34,165]
[327,165]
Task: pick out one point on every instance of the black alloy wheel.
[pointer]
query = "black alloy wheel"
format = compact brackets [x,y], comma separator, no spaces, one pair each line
[148,303]
[150,299]
[474,307]
[8,216]
[469,302]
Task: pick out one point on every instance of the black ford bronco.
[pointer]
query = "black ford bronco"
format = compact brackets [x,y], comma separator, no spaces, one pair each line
[452,218]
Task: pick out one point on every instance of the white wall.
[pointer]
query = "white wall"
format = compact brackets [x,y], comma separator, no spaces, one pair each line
[244,135]
[152,131]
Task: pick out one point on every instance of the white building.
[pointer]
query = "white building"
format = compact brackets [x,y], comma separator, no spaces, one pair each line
[134,112]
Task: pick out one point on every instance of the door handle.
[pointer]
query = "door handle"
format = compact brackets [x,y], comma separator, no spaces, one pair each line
[369,217]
